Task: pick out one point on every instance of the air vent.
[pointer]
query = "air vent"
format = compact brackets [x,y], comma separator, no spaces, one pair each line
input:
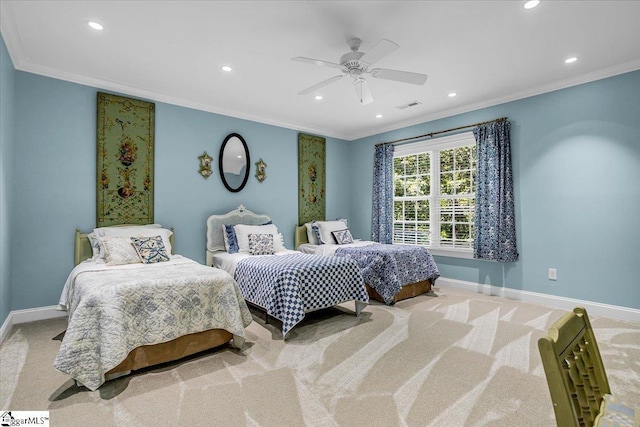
[411,104]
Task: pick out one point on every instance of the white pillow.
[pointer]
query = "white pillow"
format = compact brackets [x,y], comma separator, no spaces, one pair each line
[137,231]
[118,251]
[327,227]
[243,231]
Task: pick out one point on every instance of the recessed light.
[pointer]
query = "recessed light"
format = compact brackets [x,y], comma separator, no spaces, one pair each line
[226,68]
[95,25]
[318,97]
[378,116]
[531,4]
[570,60]
[452,94]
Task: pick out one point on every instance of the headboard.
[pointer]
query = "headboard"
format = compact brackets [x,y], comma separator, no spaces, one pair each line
[300,236]
[82,246]
[215,237]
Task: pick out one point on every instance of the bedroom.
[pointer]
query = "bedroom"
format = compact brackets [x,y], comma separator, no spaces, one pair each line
[583,135]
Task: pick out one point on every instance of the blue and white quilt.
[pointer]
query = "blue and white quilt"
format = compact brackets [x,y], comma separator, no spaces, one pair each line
[386,268]
[287,286]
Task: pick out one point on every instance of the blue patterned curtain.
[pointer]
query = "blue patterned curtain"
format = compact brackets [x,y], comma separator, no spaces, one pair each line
[382,212]
[495,227]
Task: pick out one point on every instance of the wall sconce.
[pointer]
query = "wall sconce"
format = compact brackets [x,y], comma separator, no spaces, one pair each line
[205,165]
[261,168]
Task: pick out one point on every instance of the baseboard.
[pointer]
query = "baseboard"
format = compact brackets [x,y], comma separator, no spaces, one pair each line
[16,317]
[593,308]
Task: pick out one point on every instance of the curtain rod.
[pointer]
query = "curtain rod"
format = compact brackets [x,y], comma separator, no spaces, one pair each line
[442,131]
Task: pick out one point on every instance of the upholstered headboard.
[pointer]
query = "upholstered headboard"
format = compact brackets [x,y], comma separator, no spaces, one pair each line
[300,236]
[82,246]
[215,237]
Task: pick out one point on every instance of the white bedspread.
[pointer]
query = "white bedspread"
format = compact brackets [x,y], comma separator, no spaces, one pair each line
[114,309]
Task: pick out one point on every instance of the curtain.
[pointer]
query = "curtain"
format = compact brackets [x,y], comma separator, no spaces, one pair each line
[382,212]
[495,230]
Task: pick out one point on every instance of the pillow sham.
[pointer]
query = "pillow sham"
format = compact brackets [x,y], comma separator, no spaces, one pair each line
[230,240]
[95,246]
[242,235]
[137,231]
[150,249]
[312,233]
[342,237]
[327,227]
[118,251]
[261,244]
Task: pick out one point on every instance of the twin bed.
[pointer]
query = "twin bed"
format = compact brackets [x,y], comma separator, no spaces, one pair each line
[284,284]
[391,272]
[129,316]
[130,310]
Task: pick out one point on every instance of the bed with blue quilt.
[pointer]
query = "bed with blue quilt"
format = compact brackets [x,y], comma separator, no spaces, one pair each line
[391,272]
[285,284]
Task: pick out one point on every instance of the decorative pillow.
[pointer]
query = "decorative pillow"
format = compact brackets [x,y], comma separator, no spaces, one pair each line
[150,249]
[261,244]
[137,231]
[95,245]
[326,227]
[342,237]
[243,231]
[230,241]
[312,232]
[118,251]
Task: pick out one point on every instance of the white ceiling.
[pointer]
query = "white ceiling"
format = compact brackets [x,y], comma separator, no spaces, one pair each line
[171,51]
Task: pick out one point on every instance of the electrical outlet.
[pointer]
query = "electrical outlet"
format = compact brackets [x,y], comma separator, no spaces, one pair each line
[553,274]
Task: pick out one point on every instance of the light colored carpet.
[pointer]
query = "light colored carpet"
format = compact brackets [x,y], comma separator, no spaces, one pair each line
[461,359]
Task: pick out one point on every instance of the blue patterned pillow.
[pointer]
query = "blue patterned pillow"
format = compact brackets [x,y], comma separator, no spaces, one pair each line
[342,236]
[316,232]
[150,249]
[231,238]
[261,244]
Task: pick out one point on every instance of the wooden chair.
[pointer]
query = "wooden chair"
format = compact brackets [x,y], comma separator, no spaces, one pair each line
[577,380]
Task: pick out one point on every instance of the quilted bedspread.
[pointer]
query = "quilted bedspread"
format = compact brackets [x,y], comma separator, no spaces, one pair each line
[113,310]
[288,285]
[386,268]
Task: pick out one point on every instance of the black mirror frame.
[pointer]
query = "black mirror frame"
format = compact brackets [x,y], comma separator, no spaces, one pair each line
[246,171]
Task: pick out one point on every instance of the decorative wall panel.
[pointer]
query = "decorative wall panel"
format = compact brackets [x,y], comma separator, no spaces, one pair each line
[311,178]
[125,138]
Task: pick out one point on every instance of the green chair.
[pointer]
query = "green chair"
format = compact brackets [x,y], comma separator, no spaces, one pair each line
[577,380]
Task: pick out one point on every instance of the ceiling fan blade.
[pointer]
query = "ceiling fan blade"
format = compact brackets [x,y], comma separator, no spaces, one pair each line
[317,62]
[379,51]
[363,92]
[319,85]
[399,76]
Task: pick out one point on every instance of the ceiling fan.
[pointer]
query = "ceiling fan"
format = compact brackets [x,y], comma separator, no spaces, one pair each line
[356,64]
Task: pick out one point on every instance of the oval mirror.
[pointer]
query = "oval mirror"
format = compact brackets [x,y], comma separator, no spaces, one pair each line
[234,162]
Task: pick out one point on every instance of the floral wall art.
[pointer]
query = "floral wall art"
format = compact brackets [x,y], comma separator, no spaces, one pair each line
[125,139]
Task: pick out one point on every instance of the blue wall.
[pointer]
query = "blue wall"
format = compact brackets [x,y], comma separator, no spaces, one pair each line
[7,90]
[576,155]
[54,172]
[576,164]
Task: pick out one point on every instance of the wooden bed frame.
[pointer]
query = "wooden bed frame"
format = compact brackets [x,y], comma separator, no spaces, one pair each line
[149,355]
[407,291]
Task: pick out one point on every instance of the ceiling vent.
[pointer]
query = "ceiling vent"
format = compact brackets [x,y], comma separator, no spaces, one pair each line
[411,104]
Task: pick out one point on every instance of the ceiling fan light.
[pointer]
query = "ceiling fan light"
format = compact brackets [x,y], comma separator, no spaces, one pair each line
[531,4]
[226,68]
[570,60]
[378,116]
[318,97]
[452,95]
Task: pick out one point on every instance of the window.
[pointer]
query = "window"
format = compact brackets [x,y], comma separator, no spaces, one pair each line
[434,193]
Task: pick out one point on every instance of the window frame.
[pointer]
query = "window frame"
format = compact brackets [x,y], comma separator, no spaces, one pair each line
[433,145]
